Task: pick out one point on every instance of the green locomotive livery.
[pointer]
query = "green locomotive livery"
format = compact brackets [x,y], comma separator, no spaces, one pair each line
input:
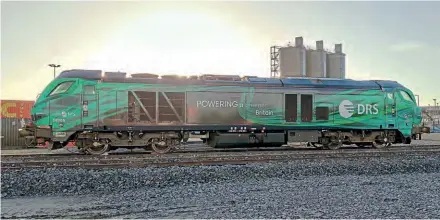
[104,111]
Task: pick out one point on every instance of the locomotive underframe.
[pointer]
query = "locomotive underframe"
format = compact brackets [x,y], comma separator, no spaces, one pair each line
[100,141]
[167,141]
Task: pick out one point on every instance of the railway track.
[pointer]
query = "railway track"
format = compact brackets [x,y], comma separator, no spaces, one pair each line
[204,158]
[201,150]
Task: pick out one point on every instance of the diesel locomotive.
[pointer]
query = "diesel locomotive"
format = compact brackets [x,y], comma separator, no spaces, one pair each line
[102,111]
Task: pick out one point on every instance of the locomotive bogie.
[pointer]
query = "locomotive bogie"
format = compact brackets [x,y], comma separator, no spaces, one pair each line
[130,139]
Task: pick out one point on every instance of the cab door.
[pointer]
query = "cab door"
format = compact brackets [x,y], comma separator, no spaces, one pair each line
[59,101]
[90,107]
[390,110]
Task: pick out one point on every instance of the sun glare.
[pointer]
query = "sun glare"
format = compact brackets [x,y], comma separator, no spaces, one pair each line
[176,42]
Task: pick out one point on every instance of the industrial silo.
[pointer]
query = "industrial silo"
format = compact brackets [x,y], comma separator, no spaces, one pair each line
[336,63]
[317,61]
[293,60]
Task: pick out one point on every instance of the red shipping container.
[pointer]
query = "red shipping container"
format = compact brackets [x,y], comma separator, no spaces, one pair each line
[16,109]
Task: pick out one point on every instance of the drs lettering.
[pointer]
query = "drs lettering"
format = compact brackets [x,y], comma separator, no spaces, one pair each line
[347,109]
[368,109]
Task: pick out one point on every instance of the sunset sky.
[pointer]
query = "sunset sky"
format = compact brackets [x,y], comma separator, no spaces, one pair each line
[383,40]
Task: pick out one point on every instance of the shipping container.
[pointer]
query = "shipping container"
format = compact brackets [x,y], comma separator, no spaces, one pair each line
[16,109]
[9,132]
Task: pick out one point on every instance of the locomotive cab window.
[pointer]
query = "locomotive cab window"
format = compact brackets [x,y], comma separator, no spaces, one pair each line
[89,90]
[322,113]
[61,88]
[406,96]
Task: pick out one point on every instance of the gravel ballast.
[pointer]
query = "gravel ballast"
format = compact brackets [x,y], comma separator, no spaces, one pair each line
[397,187]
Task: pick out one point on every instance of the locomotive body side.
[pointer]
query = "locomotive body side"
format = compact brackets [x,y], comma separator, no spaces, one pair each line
[140,105]
[161,113]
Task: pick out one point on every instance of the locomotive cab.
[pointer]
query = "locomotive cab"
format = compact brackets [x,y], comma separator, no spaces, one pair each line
[409,116]
[55,90]
[54,110]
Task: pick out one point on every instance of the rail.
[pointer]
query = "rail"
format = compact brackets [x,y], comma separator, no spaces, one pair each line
[197,159]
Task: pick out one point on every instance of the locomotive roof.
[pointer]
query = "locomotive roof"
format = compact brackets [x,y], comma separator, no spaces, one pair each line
[228,80]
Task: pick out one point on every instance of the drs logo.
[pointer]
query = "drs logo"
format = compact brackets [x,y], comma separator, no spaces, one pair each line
[347,109]
[16,109]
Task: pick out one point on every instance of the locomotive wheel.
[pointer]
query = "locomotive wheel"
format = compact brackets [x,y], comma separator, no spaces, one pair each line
[161,148]
[100,148]
[333,145]
[380,144]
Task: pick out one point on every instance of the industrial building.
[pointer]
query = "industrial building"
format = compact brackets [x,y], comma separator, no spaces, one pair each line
[303,61]
[292,59]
